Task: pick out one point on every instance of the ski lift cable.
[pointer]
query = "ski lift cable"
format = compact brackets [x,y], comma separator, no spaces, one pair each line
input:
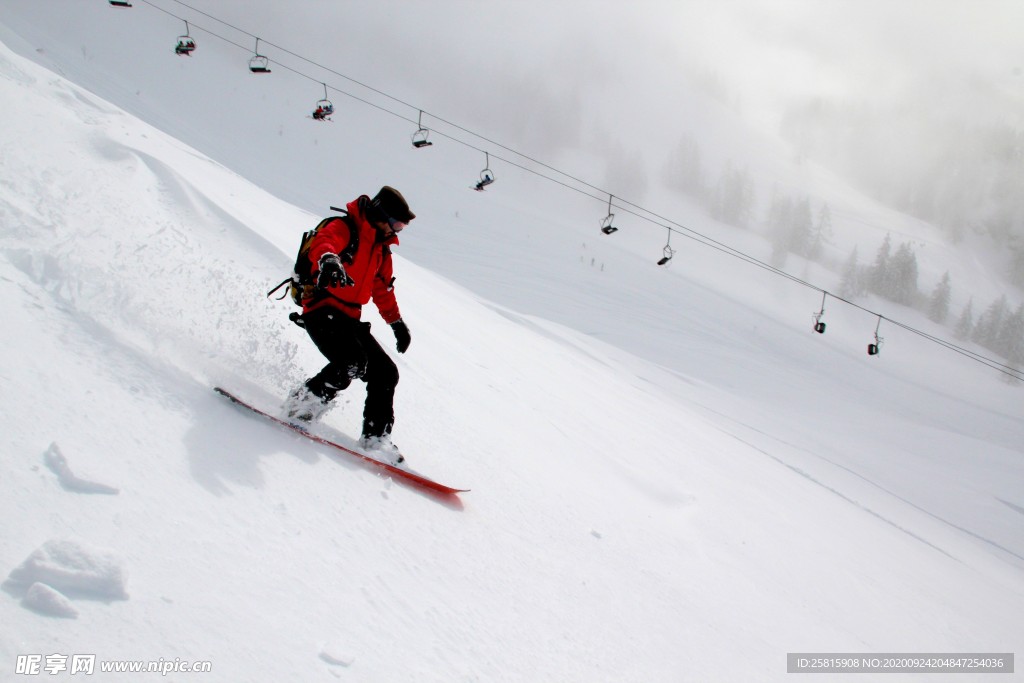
[303,75]
[600,191]
[693,235]
[367,102]
[637,211]
[298,56]
[420,110]
[407,104]
[498,144]
[938,340]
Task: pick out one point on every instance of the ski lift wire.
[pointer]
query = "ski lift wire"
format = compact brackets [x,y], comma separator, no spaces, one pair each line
[637,210]
[723,247]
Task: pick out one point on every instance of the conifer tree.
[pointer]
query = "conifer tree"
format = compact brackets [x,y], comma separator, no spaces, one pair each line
[1010,333]
[989,323]
[1015,344]
[822,233]
[684,171]
[851,285]
[938,303]
[800,227]
[901,276]
[965,325]
[878,275]
[733,199]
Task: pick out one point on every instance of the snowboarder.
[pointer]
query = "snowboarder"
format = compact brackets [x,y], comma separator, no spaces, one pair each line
[349,270]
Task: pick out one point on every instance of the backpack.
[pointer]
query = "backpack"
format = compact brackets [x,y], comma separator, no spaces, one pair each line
[301,284]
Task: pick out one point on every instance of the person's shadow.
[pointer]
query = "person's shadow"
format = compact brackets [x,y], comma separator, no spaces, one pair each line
[227,442]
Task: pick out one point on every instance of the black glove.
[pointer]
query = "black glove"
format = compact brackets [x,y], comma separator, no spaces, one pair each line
[402,336]
[332,273]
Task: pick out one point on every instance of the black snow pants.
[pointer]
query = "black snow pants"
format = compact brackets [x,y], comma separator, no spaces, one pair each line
[353,354]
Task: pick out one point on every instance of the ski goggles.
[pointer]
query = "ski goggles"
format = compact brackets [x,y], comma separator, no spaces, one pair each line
[396,225]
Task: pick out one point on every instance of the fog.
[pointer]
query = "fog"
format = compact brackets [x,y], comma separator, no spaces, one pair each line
[917,104]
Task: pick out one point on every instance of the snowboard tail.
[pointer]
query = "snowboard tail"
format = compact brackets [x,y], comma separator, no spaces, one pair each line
[398,473]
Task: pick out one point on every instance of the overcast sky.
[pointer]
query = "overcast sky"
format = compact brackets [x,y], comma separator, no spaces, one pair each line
[767,52]
[616,79]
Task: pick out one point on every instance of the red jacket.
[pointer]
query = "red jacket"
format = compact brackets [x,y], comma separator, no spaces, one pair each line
[370,267]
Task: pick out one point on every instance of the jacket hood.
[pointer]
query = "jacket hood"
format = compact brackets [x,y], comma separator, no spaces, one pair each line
[357,209]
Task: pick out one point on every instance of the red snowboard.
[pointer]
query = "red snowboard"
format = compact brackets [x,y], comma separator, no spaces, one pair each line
[399,473]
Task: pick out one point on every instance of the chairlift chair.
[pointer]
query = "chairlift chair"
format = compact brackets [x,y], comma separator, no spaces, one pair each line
[486,178]
[606,222]
[324,108]
[486,175]
[873,349]
[259,64]
[668,252]
[819,326]
[120,3]
[419,138]
[185,43]
[185,46]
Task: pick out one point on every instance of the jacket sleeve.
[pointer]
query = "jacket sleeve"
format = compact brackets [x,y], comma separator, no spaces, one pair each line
[331,239]
[384,290]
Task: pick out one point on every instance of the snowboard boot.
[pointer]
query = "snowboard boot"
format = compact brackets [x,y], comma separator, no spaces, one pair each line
[381,448]
[305,407]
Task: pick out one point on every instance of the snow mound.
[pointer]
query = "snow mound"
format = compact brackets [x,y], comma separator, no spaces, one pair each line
[72,566]
[45,600]
[58,464]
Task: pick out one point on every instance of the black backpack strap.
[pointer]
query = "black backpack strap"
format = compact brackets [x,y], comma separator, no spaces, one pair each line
[348,254]
[283,283]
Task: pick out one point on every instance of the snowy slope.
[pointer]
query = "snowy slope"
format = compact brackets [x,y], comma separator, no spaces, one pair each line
[775,492]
